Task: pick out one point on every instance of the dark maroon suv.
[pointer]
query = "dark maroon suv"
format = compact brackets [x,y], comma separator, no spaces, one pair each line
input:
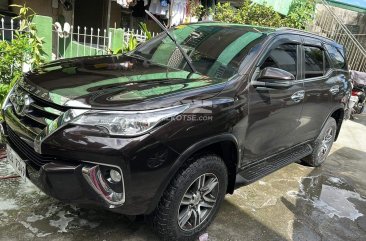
[168,129]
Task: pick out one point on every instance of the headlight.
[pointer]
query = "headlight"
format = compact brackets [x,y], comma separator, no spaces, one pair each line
[128,123]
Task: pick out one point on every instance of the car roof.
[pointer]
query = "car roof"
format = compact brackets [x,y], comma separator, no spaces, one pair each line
[271,31]
[285,30]
[260,29]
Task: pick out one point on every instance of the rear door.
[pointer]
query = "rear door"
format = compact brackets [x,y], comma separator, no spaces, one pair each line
[340,73]
[318,84]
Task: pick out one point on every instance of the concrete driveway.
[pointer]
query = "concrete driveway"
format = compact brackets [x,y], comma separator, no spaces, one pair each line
[295,203]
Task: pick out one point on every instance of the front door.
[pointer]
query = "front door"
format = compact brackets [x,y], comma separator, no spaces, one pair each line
[274,113]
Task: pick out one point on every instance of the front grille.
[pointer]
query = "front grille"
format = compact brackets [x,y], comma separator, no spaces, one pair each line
[27,151]
[34,114]
[37,113]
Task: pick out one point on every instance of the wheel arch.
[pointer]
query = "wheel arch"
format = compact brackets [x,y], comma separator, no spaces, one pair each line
[224,145]
[338,114]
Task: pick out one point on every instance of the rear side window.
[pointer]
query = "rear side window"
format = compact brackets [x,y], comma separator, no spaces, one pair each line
[337,57]
[314,62]
[283,57]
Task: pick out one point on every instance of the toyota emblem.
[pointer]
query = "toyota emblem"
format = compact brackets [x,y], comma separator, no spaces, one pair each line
[20,101]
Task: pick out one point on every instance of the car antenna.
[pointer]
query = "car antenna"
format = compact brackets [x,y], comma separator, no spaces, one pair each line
[188,59]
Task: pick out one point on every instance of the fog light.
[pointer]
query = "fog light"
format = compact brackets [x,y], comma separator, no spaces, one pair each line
[103,186]
[115,176]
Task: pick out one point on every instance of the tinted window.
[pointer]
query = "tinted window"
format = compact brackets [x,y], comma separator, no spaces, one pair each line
[283,57]
[314,62]
[337,57]
[215,50]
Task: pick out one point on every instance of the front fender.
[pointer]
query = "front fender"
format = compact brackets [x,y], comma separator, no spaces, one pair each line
[184,157]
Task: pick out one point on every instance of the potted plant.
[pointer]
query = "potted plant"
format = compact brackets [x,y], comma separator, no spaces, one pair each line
[196,10]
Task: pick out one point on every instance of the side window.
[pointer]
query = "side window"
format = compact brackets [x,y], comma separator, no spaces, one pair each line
[337,57]
[314,62]
[283,57]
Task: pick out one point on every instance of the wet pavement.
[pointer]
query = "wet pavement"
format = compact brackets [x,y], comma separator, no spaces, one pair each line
[295,203]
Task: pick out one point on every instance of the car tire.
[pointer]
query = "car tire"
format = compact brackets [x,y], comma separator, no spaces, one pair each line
[184,199]
[322,144]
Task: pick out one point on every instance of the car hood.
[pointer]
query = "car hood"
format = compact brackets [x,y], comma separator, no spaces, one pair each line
[117,82]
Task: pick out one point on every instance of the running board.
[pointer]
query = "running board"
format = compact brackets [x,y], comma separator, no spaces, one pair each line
[271,164]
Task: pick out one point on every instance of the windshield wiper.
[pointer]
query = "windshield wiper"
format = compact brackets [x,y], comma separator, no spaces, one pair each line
[188,59]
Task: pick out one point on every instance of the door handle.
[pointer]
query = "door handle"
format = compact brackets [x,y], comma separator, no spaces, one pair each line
[298,96]
[334,90]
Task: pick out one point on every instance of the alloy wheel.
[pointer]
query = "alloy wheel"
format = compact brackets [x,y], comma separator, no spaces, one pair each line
[198,202]
[326,143]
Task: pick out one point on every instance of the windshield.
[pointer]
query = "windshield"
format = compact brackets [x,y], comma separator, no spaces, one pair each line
[216,50]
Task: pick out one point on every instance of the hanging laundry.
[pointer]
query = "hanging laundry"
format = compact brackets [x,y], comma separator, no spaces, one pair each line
[157,9]
[179,9]
[123,3]
[164,3]
[126,3]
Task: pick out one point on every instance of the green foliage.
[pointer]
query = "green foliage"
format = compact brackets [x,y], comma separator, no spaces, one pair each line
[301,12]
[208,12]
[26,47]
[144,29]
[226,13]
[128,46]
[132,42]
[196,8]
[248,13]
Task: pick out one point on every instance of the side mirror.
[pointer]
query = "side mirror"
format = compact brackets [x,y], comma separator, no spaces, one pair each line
[274,78]
[271,73]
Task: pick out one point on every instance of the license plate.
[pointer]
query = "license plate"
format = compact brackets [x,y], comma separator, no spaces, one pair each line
[16,162]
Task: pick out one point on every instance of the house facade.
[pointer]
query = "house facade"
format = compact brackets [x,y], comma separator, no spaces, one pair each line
[85,13]
[106,14]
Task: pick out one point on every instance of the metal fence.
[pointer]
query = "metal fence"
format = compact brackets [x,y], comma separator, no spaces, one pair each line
[139,34]
[328,24]
[8,26]
[76,42]
[69,41]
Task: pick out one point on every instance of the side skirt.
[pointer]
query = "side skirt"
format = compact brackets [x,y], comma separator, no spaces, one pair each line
[271,164]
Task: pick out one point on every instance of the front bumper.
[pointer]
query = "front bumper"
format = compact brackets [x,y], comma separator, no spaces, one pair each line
[59,179]
[64,179]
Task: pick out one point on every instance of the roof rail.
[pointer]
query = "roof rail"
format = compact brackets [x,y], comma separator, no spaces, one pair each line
[304,31]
